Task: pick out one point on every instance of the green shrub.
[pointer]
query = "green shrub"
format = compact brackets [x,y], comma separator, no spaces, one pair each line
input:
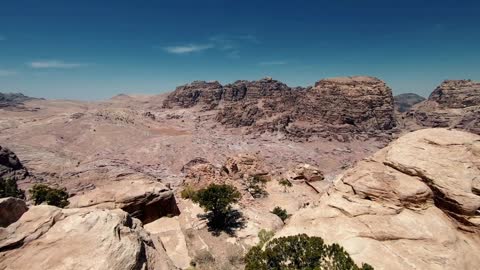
[264,236]
[256,186]
[52,196]
[281,213]
[285,183]
[9,188]
[300,252]
[218,200]
[188,192]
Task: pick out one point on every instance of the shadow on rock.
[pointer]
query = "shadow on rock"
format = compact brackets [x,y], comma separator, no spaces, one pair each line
[229,223]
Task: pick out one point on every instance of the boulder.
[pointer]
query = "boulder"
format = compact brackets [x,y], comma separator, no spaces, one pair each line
[11,209]
[305,172]
[410,206]
[145,200]
[47,237]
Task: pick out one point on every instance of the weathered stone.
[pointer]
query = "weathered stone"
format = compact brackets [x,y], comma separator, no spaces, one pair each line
[145,200]
[10,165]
[46,237]
[404,102]
[11,209]
[305,172]
[411,206]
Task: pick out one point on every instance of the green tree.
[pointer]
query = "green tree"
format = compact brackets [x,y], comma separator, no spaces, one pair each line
[285,183]
[9,188]
[52,196]
[281,213]
[300,252]
[218,200]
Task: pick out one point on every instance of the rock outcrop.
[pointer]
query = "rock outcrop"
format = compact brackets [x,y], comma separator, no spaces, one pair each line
[11,209]
[454,104]
[404,102]
[46,237]
[10,165]
[145,200]
[337,107]
[413,205]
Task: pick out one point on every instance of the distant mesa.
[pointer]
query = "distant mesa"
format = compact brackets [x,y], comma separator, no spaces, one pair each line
[341,107]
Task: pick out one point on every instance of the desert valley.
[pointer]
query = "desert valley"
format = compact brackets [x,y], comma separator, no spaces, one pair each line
[395,181]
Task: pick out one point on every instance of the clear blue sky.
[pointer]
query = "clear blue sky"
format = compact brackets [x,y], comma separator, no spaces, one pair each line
[96,49]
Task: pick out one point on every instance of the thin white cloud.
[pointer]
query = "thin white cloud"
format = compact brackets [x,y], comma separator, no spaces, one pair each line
[5,72]
[54,64]
[190,48]
[273,63]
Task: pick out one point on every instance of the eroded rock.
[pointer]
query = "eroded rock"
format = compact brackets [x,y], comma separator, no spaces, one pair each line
[390,210]
[11,209]
[47,237]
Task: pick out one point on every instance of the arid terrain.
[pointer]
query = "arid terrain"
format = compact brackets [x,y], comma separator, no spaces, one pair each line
[397,188]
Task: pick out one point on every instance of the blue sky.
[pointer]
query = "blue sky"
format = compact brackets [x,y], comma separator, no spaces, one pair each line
[96,49]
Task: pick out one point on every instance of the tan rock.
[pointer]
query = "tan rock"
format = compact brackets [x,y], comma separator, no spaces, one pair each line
[305,172]
[47,237]
[146,200]
[11,209]
[389,210]
[167,231]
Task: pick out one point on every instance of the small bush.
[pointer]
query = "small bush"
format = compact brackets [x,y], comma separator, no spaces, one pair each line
[9,188]
[256,186]
[285,183]
[300,252]
[188,192]
[281,213]
[264,236]
[52,196]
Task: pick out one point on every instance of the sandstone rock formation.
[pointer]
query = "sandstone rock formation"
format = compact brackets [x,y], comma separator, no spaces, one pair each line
[454,104]
[11,209]
[404,102]
[413,205]
[145,200]
[335,107]
[47,237]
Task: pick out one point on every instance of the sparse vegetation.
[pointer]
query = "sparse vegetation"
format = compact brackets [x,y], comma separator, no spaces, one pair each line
[9,188]
[217,199]
[256,186]
[300,252]
[188,192]
[285,183]
[42,193]
[281,213]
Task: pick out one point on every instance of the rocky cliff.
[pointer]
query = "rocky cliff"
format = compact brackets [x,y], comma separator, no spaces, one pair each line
[454,104]
[338,107]
[13,99]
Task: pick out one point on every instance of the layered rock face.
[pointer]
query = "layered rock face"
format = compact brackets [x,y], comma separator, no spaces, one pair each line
[334,107]
[454,104]
[47,237]
[404,102]
[413,205]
